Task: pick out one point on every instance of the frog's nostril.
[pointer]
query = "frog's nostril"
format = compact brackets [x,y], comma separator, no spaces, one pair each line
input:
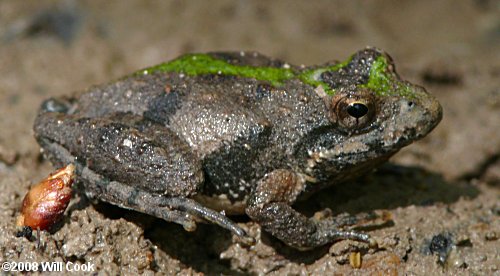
[55,105]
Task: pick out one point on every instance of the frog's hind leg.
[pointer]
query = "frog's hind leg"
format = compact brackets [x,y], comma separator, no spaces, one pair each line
[112,192]
[269,206]
[180,210]
[135,186]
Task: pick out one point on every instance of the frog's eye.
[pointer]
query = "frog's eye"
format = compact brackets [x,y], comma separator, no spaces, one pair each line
[357,110]
[353,112]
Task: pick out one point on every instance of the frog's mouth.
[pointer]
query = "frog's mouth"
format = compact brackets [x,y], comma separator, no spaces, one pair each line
[354,151]
[351,158]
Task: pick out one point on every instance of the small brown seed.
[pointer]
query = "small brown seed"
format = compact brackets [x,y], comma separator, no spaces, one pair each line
[355,259]
[45,203]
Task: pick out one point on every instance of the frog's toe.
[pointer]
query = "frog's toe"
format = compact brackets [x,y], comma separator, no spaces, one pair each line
[336,235]
[328,229]
[197,210]
[345,219]
[187,221]
[372,243]
[246,240]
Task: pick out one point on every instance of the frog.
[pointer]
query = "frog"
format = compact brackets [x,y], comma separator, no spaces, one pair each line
[209,135]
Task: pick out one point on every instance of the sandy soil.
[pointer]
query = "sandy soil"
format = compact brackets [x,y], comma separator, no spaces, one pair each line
[443,193]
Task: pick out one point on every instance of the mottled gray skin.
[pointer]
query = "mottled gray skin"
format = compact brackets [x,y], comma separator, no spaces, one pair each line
[184,147]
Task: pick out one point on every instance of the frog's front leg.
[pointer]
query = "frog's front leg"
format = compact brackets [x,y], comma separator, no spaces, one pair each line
[270,203]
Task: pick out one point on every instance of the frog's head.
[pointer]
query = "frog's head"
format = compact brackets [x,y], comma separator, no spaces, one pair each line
[373,114]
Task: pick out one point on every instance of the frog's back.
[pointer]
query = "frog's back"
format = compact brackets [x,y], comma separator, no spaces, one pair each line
[242,116]
[242,97]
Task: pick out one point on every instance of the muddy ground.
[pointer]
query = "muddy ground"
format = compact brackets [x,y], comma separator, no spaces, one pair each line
[442,193]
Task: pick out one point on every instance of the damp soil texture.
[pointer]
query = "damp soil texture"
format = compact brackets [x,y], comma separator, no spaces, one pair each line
[441,194]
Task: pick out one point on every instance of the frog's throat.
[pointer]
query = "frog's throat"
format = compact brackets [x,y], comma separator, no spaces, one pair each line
[382,81]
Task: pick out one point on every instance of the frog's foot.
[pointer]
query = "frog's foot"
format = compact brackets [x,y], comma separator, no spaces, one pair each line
[345,219]
[270,207]
[327,231]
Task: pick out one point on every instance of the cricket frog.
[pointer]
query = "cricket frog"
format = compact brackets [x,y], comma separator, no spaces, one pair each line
[209,135]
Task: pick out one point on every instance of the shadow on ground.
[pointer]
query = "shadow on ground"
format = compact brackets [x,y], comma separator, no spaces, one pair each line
[390,187]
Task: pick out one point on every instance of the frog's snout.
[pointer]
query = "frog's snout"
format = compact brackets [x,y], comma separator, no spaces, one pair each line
[426,110]
[56,105]
[435,111]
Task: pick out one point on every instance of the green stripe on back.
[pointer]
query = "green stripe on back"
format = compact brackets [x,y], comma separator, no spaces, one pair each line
[380,80]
